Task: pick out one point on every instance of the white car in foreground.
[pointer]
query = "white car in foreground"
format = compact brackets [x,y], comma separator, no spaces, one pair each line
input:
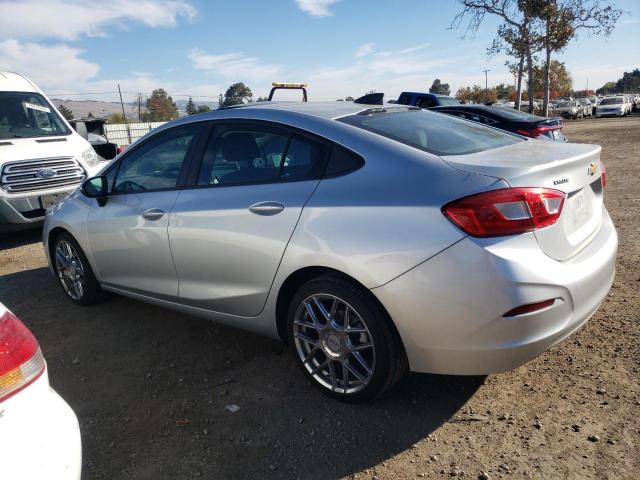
[39,433]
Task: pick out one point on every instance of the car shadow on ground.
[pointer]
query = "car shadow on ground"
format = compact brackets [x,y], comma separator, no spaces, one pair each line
[154,392]
[18,239]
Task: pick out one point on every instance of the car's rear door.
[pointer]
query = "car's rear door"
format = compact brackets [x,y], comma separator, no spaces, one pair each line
[128,234]
[229,232]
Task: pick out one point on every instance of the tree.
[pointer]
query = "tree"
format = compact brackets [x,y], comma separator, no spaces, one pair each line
[160,107]
[191,107]
[236,94]
[66,113]
[349,99]
[516,35]
[607,88]
[203,109]
[557,79]
[630,82]
[116,118]
[504,92]
[560,21]
[440,88]
[476,94]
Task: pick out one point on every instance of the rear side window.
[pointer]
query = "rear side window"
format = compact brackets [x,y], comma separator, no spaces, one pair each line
[404,99]
[425,102]
[342,161]
[428,131]
[248,153]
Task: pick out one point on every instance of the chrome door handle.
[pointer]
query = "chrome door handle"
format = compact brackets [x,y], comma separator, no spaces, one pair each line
[153,214]
[266,208]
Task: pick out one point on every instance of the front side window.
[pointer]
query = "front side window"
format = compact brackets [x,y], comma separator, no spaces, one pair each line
[155,165]
[425,102]
[247,153]
[28,115]
[437,134]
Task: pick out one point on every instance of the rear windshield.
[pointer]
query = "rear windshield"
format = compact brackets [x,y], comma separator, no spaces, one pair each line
[516,115]
[435,133]
[612,101]
[28,114]
[566,104]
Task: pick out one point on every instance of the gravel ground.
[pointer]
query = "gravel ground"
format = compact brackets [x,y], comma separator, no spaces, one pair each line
[151,387]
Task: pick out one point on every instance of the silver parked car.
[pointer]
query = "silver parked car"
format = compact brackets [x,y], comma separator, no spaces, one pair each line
[569,109]
[615,106]
[587,107]
[371,239]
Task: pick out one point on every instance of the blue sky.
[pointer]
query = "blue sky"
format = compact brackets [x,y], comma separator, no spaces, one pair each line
[344,47]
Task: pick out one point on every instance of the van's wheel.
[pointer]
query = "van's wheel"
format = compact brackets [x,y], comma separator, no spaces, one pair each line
[343,340]
[74,272]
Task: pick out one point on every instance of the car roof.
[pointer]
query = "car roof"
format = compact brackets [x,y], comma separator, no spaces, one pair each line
[426,93]
[327,110]
[14,82]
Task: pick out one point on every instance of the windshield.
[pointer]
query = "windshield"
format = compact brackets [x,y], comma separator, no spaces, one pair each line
[611,101]
[435,133]
[448,101]
[566,104]
[28,114]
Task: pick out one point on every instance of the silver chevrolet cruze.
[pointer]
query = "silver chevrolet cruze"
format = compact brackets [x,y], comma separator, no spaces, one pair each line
[373,240]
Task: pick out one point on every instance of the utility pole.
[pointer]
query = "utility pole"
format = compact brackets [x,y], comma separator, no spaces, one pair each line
[486,86]
[124,115]
[139,107]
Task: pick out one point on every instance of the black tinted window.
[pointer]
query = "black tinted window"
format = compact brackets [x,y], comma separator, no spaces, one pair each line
[342,161]
[437,134]
[425,102]
[155,165]
[244,153]
[404,99]
[304,159]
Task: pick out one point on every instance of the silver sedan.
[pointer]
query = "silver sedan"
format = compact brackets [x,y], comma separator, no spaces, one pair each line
[372,240]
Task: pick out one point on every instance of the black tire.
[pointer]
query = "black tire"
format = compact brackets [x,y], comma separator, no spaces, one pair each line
[91,291]
[390,363]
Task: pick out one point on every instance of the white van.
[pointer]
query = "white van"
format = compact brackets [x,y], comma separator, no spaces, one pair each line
[42,159]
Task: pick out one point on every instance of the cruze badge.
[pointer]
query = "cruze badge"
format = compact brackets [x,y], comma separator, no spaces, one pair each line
[561,181]
[593,168]
[45,173]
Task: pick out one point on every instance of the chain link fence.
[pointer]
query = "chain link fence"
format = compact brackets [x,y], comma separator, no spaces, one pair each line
[126,133]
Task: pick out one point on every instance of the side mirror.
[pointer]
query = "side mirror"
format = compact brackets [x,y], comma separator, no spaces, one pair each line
[81,128]
[95,187]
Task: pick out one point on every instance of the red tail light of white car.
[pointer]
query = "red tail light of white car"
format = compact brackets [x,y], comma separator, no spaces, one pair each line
[39,434]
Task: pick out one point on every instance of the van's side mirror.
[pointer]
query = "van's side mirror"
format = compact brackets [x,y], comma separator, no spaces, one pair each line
[81,128]
[96,187]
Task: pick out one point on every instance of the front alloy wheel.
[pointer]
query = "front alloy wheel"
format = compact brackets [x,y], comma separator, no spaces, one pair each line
[343,339]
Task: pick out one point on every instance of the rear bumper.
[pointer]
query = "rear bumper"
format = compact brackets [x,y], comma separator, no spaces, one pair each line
[449,310]
[39,435]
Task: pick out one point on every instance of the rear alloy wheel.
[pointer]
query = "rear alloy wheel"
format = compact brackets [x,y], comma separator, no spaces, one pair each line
[74,272]
[343,341]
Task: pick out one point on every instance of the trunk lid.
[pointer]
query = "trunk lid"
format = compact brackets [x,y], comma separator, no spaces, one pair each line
[574,169]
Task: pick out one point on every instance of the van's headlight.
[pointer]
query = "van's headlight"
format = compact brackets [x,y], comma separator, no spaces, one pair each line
[89,157]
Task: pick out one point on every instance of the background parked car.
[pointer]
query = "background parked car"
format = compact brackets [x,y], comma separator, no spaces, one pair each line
[508,119]
[569,109]
[425,100]
[39,434]
[587,107]
[612,106]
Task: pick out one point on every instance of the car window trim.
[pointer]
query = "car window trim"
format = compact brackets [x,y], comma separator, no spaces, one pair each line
[183,169]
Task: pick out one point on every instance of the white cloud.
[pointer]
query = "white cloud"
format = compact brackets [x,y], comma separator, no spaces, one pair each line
[234,66]
[69,20]
[316,8]
[49,66]
[364,50]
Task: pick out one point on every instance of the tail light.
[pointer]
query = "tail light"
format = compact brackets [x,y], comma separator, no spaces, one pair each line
[21,361]
[506,211]
[604,175]
[536,132]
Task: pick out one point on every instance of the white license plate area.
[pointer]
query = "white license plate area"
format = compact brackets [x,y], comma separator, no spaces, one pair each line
[51,199]
[581,209]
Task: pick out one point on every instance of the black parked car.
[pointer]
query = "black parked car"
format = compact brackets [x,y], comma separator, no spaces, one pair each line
[509,119]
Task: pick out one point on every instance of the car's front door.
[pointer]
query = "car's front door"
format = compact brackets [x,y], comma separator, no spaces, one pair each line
[128,233]
[229,233]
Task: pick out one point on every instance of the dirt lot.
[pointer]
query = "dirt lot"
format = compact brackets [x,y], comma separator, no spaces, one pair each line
[150,386]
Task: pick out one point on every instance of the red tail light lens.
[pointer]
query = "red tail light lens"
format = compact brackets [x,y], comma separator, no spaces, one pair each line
[21,361]
[507,211]
[604,175]
[535,132]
